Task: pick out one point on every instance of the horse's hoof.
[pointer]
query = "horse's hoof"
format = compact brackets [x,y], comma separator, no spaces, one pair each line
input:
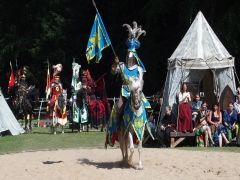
[62,132]
[140,168]
[54,133]
[130,163]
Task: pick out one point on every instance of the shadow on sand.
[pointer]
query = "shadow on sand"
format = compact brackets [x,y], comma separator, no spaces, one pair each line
[51,162]
[104,165]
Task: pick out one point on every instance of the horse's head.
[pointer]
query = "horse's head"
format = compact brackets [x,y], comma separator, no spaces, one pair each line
[82,96]
[33,93]
[62,99]
[135,88]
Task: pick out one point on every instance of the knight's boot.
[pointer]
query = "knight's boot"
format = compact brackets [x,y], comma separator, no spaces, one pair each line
[51,111]
[119,121]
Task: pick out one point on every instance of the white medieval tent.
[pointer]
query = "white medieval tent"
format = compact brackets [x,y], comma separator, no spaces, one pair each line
[204,64]
[7,119]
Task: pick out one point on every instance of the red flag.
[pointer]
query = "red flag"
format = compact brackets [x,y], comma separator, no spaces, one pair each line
[101,91]
[11,79]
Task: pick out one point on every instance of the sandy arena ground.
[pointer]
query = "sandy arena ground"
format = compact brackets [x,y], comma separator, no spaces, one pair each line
[105,164]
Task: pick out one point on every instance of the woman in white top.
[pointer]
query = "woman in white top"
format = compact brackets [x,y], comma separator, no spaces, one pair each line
[184,113]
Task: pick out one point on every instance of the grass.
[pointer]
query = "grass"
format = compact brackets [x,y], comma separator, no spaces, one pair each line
[42,139]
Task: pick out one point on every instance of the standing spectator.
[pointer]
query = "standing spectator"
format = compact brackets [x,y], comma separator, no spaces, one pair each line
[184,114]
[167,125]
[215,121]
[230,120]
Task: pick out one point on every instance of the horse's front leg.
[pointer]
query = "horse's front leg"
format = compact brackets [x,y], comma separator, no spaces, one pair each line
[121,143]
[53,129]
[62,130]
[30,123]
[131,145]
[26,121]
[140,166]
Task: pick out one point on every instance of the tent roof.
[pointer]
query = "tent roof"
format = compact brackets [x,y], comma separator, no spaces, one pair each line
[200,48]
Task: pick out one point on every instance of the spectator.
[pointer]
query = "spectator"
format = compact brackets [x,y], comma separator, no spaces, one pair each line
[230,120]
[195,107]
[167,125]
[202,127]
[184,113]
[215,121]
[153,120]
[237,108]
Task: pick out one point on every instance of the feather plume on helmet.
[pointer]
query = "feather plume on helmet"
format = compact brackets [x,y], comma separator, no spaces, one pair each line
[133,43]
[57,69]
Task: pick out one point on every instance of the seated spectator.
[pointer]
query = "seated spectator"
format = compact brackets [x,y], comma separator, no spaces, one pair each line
[215,122]
[195,107]
[202,127]
[184,112]
[237,109]
[167,125]
[230,120]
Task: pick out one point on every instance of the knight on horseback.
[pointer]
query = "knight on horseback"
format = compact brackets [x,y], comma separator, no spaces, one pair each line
[22,90]
[55,87]
[133,67]
[55,91]
[56,114]
[128,116]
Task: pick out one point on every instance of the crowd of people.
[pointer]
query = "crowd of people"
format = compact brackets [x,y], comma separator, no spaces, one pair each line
[212,126]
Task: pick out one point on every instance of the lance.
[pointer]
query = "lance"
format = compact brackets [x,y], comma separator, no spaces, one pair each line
[94,4]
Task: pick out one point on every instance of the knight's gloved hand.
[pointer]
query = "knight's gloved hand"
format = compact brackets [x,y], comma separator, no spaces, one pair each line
[116,60]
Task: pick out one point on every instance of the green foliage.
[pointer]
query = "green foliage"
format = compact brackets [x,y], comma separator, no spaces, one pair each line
[33,31]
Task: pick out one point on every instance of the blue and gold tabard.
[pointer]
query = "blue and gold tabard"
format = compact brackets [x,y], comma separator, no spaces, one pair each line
[126,74]
[138,122]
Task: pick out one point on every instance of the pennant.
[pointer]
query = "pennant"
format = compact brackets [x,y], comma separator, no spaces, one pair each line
[98,40]
[11,81]
[48,82]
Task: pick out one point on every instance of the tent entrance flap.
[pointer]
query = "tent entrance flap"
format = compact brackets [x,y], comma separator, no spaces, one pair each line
[206,85]
[226,97]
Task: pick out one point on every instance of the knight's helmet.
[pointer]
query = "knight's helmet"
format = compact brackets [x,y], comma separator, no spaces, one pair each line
[57,79]
[23,73]
[84,77]
[132,43]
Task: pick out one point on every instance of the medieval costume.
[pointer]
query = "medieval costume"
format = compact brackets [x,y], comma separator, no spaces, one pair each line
[96,108]
[56,110]
[185,114]
[132,68]
[22,89]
